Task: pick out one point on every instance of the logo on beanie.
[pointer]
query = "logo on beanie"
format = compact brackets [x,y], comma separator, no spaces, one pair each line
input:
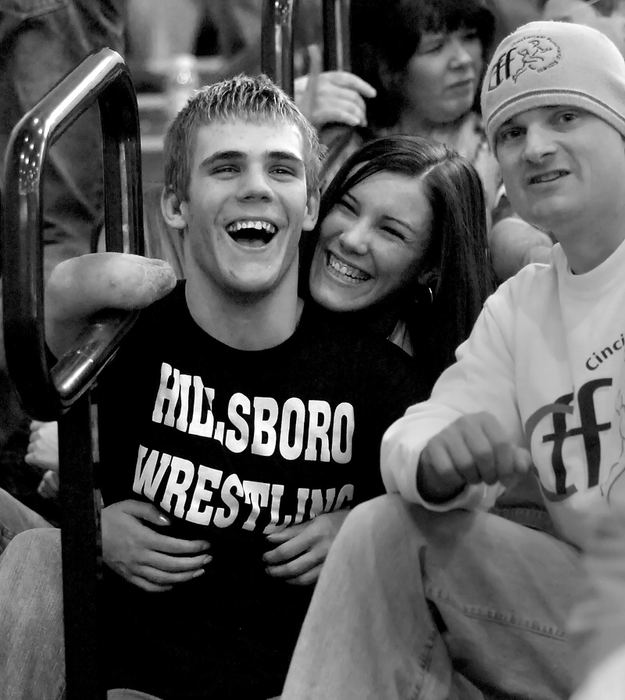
[531,53]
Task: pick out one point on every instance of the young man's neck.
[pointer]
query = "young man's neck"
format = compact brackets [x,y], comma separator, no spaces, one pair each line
[246,322]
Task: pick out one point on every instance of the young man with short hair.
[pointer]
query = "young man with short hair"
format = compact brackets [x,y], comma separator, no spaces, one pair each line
[236,426]
[425,594]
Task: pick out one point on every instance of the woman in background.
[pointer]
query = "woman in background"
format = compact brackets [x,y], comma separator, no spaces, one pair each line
[422,62]
[418,66]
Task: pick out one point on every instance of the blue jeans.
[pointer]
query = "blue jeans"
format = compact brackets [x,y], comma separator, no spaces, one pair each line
[413,605]
[15,517]
[32,659]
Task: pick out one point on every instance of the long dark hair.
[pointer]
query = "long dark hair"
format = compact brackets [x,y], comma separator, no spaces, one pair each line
[457,261]
[385,35]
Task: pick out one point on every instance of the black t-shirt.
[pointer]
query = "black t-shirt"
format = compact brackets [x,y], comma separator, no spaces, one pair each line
[231,445]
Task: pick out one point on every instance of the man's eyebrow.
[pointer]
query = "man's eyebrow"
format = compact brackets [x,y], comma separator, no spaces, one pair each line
[284,155]
[222,155]
[233,155]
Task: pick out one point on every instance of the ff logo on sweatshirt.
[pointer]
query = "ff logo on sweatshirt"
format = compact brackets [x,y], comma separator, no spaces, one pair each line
[589,429]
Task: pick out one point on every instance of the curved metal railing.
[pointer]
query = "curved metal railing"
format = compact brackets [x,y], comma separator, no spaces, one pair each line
[60,391]
[103,77]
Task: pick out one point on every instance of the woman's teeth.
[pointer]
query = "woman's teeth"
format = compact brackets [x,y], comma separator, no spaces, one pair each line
[345,271]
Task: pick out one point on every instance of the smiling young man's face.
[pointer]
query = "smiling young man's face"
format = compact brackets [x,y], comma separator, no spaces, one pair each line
[246,205]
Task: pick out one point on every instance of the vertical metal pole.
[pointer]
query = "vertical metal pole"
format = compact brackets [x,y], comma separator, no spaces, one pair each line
[336,35]
[60,392]
[277,42]
[336,56]
[81,554]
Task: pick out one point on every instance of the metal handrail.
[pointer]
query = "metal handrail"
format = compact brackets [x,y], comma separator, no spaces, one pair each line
[277,51]
[61,391]
[101,77]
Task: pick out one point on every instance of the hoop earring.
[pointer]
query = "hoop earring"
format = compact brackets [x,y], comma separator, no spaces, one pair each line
[424,295]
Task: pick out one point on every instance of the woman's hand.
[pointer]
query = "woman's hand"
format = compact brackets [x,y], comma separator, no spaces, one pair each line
[302,549]
[43,445]
[148,559]
[332,96]
[43,451]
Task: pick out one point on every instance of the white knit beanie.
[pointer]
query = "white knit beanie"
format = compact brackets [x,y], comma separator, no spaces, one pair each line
[544,64]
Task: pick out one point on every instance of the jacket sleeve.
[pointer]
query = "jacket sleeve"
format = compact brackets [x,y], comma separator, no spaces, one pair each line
[481,379]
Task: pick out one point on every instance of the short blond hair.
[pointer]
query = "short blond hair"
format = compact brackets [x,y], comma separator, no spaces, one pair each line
[254,99]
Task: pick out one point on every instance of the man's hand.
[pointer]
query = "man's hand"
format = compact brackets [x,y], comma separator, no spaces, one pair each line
[82,286]
[150,560]
[302,549]
[472,450]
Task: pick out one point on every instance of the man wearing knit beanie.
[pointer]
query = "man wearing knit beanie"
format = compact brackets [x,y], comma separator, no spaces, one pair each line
[426,592]
[540,69]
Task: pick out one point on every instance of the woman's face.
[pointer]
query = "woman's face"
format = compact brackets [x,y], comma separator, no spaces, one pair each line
[442,77]
[371,243]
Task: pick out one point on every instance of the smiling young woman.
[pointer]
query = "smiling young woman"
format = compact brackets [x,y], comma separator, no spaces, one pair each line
[401,247]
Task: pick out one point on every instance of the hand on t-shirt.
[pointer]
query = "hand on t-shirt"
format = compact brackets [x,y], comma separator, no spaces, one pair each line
[302,549]
[143,556]
[472,450]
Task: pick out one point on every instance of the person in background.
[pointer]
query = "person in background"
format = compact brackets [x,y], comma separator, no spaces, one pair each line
[602,15]
[424,594]
[422,63]
[417,69]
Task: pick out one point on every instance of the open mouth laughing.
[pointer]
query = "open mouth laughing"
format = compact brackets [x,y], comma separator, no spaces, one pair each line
[251,233]
[344,272]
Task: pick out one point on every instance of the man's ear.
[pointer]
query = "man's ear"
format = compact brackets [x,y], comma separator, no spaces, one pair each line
[173,209]
[312,211]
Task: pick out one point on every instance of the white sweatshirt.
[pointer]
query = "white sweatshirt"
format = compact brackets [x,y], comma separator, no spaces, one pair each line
[546,358]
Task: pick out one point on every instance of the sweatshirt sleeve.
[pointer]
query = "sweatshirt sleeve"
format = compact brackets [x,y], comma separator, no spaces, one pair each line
[481,380]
